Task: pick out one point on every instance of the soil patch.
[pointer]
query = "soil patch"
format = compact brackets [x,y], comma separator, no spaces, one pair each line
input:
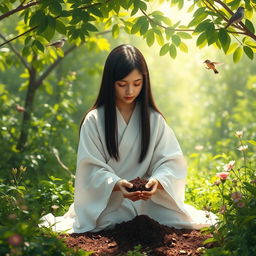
[138,185]
[155,239]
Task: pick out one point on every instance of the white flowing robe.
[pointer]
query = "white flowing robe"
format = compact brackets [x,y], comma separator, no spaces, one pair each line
[97,207]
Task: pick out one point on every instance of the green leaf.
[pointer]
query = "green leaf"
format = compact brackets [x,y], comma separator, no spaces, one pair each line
[135,28]
[144,27]
[232,48]
[25,51]
[253,142]
[37,18]
[237,54]
[183,47]
[167,21]
[164,49]
[168,33]
[249,52]
[202,26]
[50,30]
[42,26]
[134,10]
[224,39]
[199,11]
[60,27]
[27,40]
[173,51]
[201,39]
[160,39]
[198,19]
[89,27]
[96,12]
[115,31]
[55,8]
[176,40]
[209,240]
[250,26]
[150,37]
[142,5]
[39,46]
[184,35]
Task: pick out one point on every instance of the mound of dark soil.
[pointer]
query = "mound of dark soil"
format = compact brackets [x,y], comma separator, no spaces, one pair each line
[138,185]
[155,239]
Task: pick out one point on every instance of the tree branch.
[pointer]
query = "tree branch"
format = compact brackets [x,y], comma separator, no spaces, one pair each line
[57,61]
[214,9]
[16,53]
[31,29]
[54,64]
[162,26]
[21,7]
[243,27]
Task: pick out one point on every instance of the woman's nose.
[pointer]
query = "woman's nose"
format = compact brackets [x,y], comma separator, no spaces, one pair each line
[129,89]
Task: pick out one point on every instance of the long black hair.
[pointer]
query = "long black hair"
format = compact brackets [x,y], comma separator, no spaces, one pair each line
[121,61]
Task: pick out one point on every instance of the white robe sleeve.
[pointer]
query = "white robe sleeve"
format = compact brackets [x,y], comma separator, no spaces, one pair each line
[95,179]
[168,166]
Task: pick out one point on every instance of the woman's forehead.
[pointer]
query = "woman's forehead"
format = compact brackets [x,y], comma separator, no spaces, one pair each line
[134,75]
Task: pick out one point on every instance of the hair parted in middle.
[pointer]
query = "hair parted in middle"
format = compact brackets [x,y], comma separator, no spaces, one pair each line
[121,61]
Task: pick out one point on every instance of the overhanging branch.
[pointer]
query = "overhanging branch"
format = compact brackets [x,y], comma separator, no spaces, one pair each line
[21,7]
[16,53]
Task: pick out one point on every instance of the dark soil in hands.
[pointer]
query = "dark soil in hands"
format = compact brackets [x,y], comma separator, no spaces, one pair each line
[138,185]
[155,239]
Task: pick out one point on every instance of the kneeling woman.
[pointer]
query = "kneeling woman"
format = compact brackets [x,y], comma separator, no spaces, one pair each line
[122,137]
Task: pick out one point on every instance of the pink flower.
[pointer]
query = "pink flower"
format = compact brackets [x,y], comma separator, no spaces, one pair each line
[229,166]
[15,240]
[222,175]
[240,204]
[236,196]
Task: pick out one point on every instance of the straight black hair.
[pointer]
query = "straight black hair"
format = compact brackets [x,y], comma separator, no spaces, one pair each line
[121,61]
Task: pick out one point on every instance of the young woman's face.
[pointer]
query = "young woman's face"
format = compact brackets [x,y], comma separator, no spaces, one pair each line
[128,88]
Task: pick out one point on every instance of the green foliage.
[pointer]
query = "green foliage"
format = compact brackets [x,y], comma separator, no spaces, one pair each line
[78,21]
[23,203]
[136,252]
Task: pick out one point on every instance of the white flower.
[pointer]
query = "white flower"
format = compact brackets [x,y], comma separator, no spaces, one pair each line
[199,147]
[243,148]
[239,134]
[229,166]
[55,207]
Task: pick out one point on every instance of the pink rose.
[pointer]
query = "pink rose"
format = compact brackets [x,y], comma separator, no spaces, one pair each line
[222,175]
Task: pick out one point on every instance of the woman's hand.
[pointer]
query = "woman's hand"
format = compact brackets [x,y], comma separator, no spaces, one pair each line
[122,186]
[154,185]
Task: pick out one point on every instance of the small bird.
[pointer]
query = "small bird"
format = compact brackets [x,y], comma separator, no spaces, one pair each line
[19,108]
[211,65]
[58,44]
[236,17]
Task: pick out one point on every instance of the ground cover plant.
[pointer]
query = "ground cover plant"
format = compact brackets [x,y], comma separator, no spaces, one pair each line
[230,193]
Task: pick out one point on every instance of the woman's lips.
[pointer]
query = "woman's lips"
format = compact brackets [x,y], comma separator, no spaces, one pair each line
[128,98]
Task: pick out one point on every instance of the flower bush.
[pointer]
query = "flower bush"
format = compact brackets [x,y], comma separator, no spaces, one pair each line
[236,229]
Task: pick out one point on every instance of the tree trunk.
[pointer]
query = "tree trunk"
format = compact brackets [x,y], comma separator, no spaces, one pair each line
[32,87]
